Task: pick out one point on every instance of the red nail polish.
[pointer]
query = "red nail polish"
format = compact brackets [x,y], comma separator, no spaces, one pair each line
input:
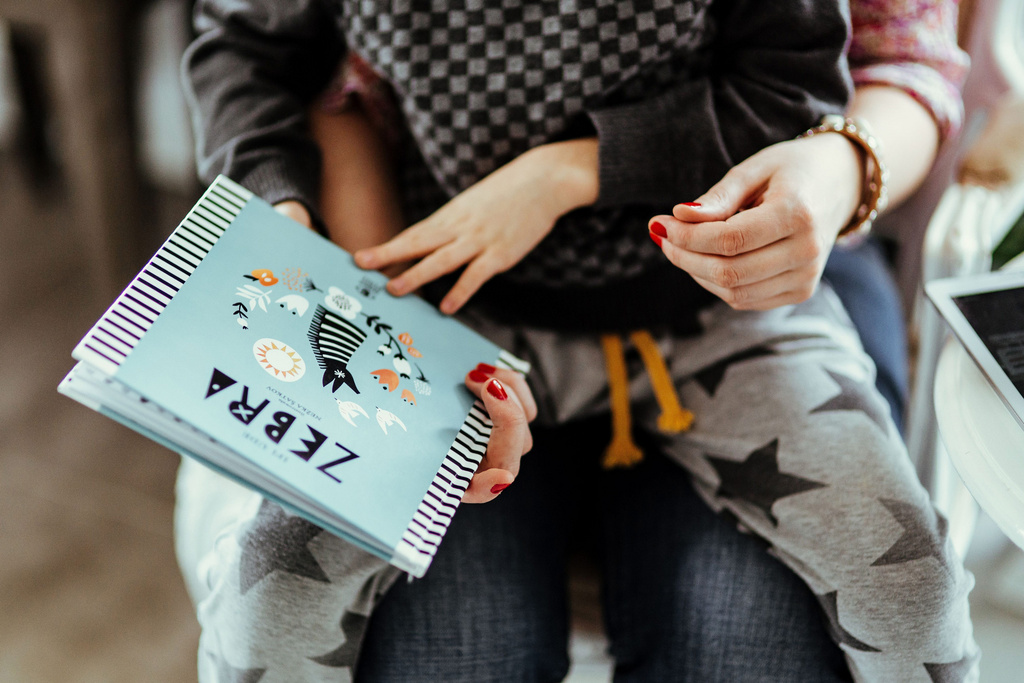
[495,389]
[656,238]
[691,204]
[478,376]
[659,230]
[486,369]
[498,488]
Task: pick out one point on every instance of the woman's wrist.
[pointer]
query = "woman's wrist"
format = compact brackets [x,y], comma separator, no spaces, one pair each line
[846,169]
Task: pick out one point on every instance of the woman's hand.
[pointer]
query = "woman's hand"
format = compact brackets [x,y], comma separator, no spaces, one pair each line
[759,238]
[492,225]
[511,406]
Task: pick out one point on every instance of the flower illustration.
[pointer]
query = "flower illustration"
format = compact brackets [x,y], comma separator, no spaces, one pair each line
[402,366]
[264,277]
[422,386]
[344,305]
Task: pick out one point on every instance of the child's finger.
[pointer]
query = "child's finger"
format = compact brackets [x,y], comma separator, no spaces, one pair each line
[434,265]
[480,270]
[412,243]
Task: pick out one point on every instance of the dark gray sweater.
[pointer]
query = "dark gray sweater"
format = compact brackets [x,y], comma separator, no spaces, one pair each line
[676,91]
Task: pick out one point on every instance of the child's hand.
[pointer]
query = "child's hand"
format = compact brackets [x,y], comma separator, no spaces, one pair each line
[296,211]
[492,225]
[511,406]
[760,237]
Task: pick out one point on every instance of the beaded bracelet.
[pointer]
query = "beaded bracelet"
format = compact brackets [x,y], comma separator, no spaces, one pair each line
[876,186]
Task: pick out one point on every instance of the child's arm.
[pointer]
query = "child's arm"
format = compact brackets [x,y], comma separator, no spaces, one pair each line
[358,197]
[492,225]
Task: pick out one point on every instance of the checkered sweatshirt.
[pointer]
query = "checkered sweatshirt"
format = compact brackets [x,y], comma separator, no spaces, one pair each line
[676,91]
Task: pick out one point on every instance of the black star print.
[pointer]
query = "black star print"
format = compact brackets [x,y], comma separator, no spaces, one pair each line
[758,480]
[954,672]
[229,674]
[835,629]
[353,626]
[924,534]
[853,396]
[278,541]
[711,376]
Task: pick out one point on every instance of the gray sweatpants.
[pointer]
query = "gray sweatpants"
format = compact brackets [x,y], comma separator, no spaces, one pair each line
[791,438]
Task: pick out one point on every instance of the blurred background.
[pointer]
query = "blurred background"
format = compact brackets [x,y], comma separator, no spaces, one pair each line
[96,168]
[95,171]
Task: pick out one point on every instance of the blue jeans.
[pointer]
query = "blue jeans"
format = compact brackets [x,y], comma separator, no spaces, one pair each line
[687,597]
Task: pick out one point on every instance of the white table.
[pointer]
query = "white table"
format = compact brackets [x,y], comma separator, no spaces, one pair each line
[984,441]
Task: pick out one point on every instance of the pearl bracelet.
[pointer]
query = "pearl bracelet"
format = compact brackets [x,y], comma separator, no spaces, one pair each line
[876,185]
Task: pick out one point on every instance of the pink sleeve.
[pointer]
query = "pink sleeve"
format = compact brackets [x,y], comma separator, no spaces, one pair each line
[911,44]
[356,84]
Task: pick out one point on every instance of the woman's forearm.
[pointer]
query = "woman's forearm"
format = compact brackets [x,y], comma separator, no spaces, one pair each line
[907,134]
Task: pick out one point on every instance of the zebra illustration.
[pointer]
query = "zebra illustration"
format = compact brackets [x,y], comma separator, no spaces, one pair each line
[334,340]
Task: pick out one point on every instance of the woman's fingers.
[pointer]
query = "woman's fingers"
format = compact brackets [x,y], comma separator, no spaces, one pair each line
[746,231]
[510,437]
[732,271]
[480,270]
[791,287]
[737,190]
[515,381]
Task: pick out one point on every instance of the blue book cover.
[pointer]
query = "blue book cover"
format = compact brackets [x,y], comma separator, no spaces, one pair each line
[300,374]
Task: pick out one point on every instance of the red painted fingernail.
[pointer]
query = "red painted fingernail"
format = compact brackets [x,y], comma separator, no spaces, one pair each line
[498,488]
[486,369]
[691,203]
[656,238]
[478,376]
[659,229]
[495,389]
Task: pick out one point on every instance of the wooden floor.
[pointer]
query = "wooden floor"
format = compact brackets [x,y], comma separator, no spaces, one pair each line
[89,588]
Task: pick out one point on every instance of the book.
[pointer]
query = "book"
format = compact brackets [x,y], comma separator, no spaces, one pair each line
[257,347]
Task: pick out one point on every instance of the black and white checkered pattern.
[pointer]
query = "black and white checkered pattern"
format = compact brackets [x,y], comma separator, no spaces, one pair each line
[482,81]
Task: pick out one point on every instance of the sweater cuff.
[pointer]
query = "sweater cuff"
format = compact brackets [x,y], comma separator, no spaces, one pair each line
[278,180]
[631,141]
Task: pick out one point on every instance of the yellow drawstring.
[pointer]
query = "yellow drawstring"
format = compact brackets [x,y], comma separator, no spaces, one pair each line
[674,418]
[622,451]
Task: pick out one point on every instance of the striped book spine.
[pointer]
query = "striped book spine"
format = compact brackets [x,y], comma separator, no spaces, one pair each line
[430,521]
[112,339]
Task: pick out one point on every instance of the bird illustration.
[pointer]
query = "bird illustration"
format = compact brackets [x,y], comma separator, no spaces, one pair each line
[408,397]
[386,418]
[348,410]
[294,303]
[386,377]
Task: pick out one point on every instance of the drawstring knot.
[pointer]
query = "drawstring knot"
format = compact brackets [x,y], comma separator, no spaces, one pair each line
[674,418]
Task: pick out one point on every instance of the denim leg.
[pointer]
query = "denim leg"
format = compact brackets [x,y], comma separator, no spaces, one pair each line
[493,606]
[690,598]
